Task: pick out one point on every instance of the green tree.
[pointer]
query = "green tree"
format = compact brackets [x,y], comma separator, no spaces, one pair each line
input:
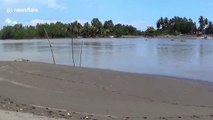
[7,32]
[118,30]
[209,29]
[62,30]
[75,29]
[202,23]
[162,22]
[108,26]
[30,32]
[150,30]
[86,31]
[40,30]
[158,24]
[97,26]
[131,30]
[166,22]
[175,26]
[186,27]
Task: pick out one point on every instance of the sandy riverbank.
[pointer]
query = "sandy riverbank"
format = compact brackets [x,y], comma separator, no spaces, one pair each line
[10,115]
[58,91]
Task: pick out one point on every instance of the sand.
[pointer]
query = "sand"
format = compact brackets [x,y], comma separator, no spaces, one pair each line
[58,91]
[10,115]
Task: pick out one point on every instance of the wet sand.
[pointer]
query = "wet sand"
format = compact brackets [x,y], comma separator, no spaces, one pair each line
[58,91]
[10,115]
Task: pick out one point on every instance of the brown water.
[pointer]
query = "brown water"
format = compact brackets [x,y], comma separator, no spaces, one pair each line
[181,58]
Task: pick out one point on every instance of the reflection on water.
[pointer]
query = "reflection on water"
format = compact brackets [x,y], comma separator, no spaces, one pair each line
[190,59]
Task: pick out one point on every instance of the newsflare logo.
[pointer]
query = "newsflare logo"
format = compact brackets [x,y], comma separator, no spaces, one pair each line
[22,10]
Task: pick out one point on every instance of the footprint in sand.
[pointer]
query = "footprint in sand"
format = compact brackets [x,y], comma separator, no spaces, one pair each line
[195,116]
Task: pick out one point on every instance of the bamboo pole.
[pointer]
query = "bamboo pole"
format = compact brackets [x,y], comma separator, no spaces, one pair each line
[50,46]
[73,57]
[82,43]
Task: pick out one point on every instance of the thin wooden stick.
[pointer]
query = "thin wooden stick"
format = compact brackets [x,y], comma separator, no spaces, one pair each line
[50,46]
[82,43]
[73,57]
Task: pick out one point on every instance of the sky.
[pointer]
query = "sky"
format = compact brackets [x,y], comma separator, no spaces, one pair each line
[139,13]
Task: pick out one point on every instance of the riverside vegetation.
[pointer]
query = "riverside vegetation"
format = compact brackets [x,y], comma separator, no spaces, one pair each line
[178,25]
[165,26]
[60,30]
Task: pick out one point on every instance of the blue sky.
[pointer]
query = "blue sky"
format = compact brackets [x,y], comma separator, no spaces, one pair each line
[140,13]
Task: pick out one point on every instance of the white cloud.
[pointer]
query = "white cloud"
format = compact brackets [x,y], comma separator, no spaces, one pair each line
[11,22]
[53,4]
[8,21]
[14,22]
[49,3]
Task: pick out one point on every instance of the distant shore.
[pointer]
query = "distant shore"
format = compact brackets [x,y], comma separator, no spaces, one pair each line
[190,37]
[185,37]
[59,91]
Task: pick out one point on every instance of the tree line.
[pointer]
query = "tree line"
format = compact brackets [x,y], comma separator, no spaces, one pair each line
[95,28]
[74,29]
[178,25]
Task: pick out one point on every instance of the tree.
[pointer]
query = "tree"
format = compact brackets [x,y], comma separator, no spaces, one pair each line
[30,32]
[131,30]
[40,30]
[19,31]
[7,32]
[209,29]
[175,26]
[62,30]
[202,23]
[86,30]
[166,22]
[118,30]
[162,22]
[150,30]
[206,21]
[158,24]
[97,26]
[108,27]
[186,27]
[75,28]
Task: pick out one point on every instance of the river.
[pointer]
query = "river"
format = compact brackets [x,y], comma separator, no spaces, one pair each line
[180,58]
